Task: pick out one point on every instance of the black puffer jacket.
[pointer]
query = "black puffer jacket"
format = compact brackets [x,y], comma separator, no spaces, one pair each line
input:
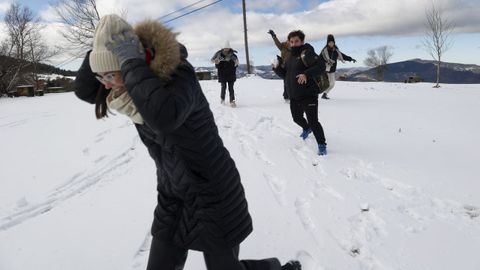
[201,201]
[295,66]
[227,67]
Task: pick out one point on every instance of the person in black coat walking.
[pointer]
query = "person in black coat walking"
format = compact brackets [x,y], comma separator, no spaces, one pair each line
[298,73]
[143,73]
[330,54]
[226,62]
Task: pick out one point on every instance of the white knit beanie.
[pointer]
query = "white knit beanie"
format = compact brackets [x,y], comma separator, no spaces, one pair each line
[227,45]
[101,59]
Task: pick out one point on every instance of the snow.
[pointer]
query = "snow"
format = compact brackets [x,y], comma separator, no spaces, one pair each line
[54,76]
[398,190]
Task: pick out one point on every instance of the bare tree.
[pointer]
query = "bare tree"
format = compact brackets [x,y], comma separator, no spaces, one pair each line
[437,36]
[20,24]
[378,58]
[80,17]
[23,49]
[39,52]
[8,67]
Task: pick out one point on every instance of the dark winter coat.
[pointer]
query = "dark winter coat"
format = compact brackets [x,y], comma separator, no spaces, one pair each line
[227,66]
[295,66]
[333,54]
[201,201]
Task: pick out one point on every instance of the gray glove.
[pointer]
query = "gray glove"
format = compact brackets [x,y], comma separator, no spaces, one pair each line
[126,46]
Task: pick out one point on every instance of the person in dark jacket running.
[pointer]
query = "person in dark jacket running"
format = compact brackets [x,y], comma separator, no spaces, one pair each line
[284,48]
[298,73]
[143,73]
[331,54]
[226,62]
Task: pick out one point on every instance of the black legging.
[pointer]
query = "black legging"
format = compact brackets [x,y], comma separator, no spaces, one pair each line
[285,93]
[165,256]
[230,91]
[310,108]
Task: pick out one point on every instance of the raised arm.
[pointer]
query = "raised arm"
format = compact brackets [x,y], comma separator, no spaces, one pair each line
[86,85]
[164,105]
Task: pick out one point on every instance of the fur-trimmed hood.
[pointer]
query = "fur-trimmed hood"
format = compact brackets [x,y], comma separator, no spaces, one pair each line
[163,42]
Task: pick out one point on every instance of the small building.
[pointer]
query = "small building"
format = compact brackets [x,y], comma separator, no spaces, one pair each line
[342,77]
[12,93]
[414,79]
[25,91]
[55,89]
[203,75]
[39,92]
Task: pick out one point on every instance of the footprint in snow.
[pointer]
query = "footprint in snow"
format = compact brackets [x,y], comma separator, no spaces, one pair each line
[277,187]
[472,211]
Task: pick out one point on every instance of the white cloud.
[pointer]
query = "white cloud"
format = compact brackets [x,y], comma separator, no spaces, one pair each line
[4,5]
[3,31]
[206,31]
[280,5]
[340,17]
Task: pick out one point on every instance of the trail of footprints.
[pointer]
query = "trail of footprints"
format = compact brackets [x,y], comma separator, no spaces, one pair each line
[77,184]
[365,227]
[368,226]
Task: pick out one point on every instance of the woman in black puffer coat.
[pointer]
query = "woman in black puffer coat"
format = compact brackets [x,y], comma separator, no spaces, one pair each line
[201,201]
[226,62]
[330,54]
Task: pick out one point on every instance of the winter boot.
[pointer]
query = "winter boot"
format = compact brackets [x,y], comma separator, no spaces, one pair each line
[292,265]
[233,104]
[222,101]
[324,96]
[305,133]
[322,149]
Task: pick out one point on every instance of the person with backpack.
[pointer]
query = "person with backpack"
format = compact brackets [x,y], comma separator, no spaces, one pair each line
[226,62]
[284,48]
[330,54]
[143,73]
[299,72]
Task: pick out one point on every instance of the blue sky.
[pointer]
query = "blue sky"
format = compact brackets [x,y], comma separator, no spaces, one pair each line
[358,25]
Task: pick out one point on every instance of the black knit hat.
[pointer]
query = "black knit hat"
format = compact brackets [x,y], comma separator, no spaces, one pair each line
[330,38]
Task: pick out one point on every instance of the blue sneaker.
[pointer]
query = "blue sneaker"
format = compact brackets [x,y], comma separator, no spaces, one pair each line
[305,133]
[322,149]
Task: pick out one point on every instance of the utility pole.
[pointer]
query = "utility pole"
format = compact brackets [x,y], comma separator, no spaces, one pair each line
[249,71]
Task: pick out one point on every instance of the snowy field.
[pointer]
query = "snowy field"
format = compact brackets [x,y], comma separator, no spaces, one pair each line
[400,188]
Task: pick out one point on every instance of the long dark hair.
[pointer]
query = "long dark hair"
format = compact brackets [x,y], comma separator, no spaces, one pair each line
[101,108]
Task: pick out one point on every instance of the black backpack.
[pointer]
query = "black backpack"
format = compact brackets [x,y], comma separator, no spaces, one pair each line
[321,79]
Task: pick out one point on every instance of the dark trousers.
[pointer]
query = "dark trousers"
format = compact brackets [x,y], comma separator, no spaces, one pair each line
[230,91]
[165,256]
[310,108]
[285,93]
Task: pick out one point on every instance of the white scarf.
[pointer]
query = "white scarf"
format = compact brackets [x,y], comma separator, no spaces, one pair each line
[124,105]
[331,62]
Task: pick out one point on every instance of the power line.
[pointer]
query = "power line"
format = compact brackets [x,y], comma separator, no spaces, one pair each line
[195,10]
[178,10]
[71,59]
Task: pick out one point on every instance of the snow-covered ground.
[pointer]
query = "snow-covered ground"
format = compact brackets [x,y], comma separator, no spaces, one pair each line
[398,190]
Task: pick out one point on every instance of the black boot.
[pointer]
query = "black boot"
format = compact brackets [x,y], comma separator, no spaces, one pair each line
[324,96]
[292,265]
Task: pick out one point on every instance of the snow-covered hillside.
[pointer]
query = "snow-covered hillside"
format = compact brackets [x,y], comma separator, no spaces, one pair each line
[398,190]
